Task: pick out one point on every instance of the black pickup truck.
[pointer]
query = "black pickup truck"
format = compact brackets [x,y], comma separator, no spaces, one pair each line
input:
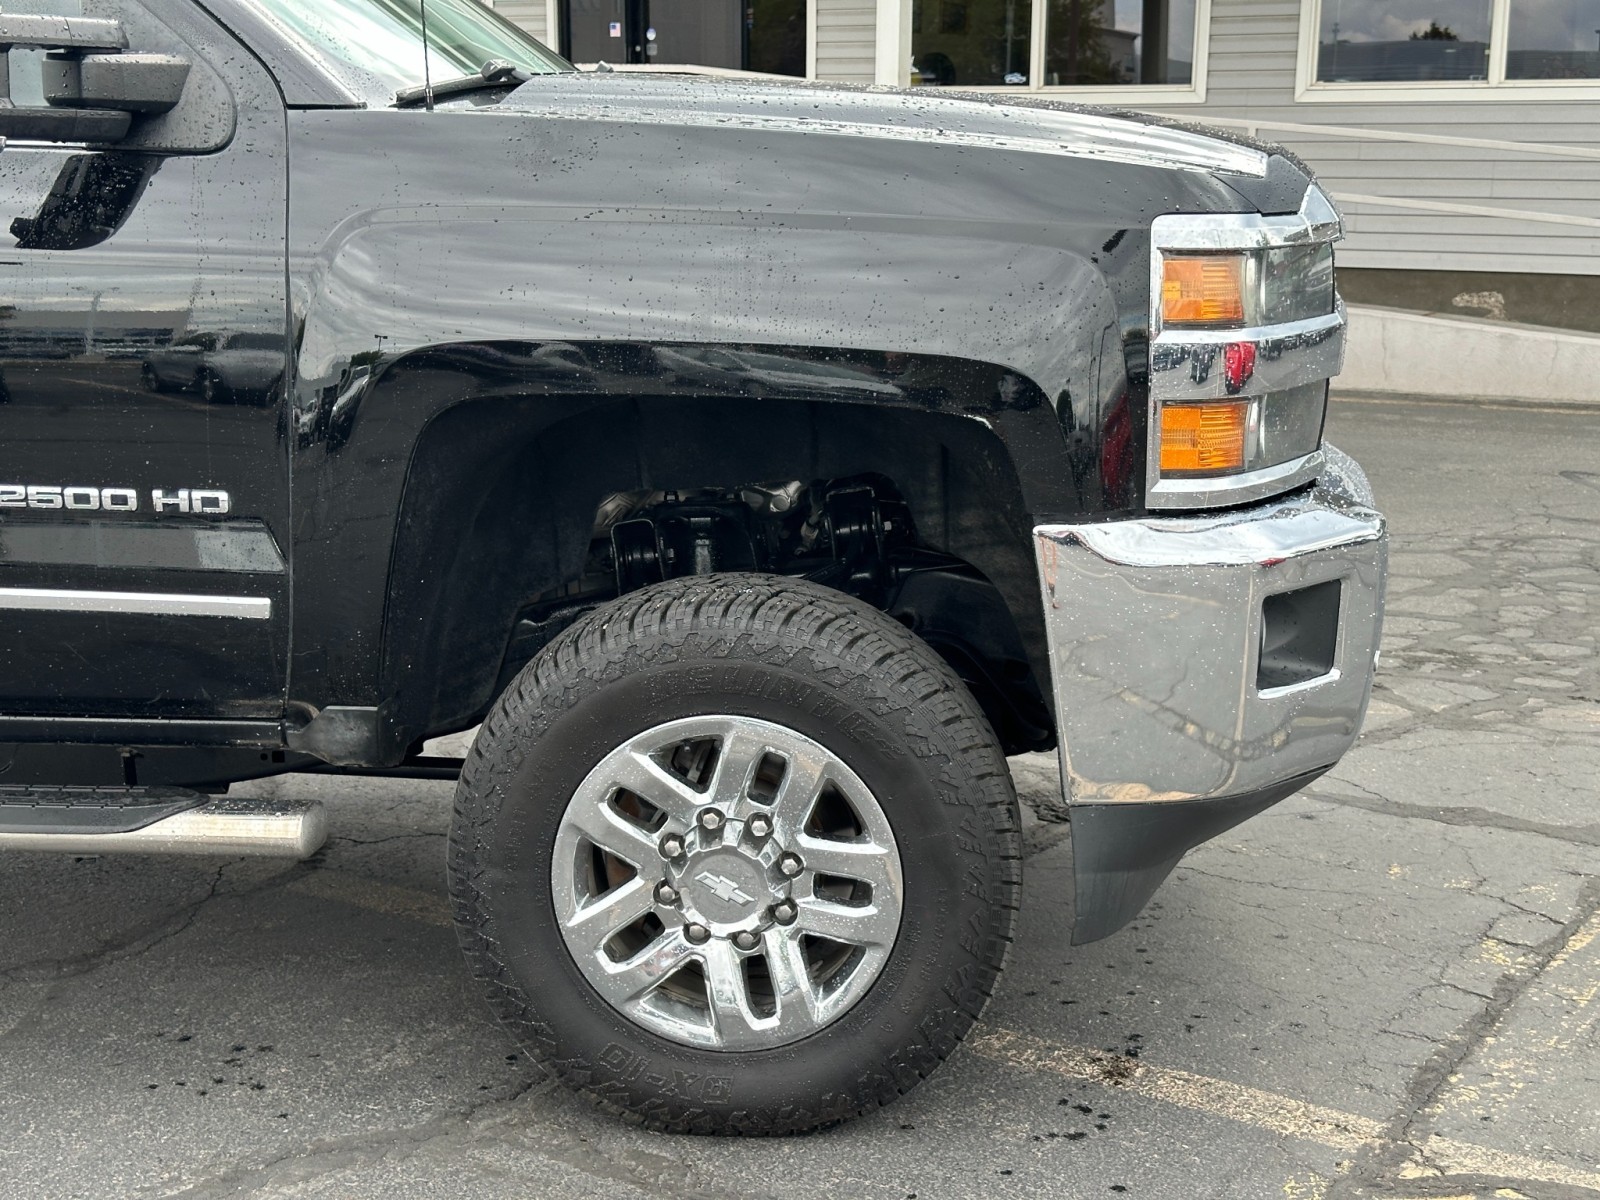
[758,464]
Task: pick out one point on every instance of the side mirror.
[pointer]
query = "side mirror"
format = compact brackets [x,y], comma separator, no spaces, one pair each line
[93,87]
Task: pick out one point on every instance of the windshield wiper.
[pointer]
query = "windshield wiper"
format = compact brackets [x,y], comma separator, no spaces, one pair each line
[496,73]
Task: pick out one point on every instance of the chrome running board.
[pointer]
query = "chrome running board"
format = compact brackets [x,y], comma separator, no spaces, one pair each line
[158,821]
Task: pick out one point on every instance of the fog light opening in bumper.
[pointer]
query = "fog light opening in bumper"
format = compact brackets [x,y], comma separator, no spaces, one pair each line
[1299,636]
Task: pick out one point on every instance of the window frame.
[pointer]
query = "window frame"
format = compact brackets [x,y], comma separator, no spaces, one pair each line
[1193,92]
[1308,90]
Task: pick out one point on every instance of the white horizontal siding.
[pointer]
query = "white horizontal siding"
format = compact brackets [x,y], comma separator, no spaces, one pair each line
[1252,78]
[846,40]
[530,14]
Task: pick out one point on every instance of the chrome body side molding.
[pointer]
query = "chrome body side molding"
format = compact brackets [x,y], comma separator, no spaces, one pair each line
[162,604]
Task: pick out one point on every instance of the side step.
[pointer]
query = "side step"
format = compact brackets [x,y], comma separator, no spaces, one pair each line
[157,821]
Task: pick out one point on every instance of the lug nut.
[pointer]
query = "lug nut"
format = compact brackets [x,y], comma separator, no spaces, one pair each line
[711,820]
[696,933]
[666,893]
[785,911]
[791,865]
[759,825]
[746,940]
[672,846]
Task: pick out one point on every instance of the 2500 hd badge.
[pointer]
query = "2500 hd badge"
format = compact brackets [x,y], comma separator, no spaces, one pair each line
[84,498]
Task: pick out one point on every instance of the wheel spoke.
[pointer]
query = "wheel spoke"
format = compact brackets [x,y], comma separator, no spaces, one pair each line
[867,926]
[741,750]
[799,1006]
[626,984]
[595,923]
[649,780]
[803,777]
[871,864]
[736,1022]
[612,832]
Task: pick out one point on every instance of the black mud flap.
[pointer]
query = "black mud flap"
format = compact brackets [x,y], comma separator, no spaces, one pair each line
[1122,852]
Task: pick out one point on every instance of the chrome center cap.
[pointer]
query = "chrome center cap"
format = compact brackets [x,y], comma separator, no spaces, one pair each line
[727,889]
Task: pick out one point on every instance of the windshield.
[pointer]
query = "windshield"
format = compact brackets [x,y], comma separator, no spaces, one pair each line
[380,41]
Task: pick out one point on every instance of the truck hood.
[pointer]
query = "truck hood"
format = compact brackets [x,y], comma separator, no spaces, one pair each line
[1028,125]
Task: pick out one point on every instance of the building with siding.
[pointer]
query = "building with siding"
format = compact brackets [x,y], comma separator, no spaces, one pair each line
[1461,138]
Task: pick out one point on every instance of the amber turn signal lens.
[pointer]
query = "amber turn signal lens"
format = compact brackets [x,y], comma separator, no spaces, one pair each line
[1202,290]
[1203,439]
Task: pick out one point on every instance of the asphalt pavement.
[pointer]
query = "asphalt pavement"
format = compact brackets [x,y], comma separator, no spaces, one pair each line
[1387,986]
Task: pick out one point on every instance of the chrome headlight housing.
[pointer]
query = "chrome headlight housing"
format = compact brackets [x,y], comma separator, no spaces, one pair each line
[1246,331]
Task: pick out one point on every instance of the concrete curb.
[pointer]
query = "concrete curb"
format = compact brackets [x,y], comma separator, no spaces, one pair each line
[1373,396]
[1396,353]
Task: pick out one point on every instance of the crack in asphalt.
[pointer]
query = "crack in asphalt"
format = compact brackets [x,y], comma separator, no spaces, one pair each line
[330,1155]
[393,837]
[129,945]
[488,1120]
[1404,1140]
[58,973]
[1466,817]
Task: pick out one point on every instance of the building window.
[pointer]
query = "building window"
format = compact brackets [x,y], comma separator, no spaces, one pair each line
[971,43]
[775,36]
[1081,44]
[1450,46]
[1390,41]
[1553,39]
[1114,43]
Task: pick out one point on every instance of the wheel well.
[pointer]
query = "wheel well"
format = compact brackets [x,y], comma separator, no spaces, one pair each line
[509,516]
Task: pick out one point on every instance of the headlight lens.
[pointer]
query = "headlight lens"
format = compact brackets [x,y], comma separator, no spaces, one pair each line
[1246,288]
[1296,283]
[1291,424]
[1204,439]
[1204,291]
[1233,437]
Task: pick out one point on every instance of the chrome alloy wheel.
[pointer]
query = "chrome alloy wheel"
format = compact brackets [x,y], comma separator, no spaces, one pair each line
[727,883]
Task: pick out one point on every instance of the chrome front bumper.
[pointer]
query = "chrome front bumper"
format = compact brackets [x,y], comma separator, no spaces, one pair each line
[1155,629]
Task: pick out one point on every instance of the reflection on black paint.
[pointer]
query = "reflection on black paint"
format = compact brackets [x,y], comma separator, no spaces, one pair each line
[109,258]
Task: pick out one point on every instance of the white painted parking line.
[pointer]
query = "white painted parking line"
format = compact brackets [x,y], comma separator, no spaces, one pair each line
[1283,1115]
[1343,1132]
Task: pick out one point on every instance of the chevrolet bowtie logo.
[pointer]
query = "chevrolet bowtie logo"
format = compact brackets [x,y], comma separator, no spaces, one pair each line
[723,888]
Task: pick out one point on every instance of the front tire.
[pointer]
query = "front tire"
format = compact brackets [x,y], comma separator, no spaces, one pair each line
[825,938]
